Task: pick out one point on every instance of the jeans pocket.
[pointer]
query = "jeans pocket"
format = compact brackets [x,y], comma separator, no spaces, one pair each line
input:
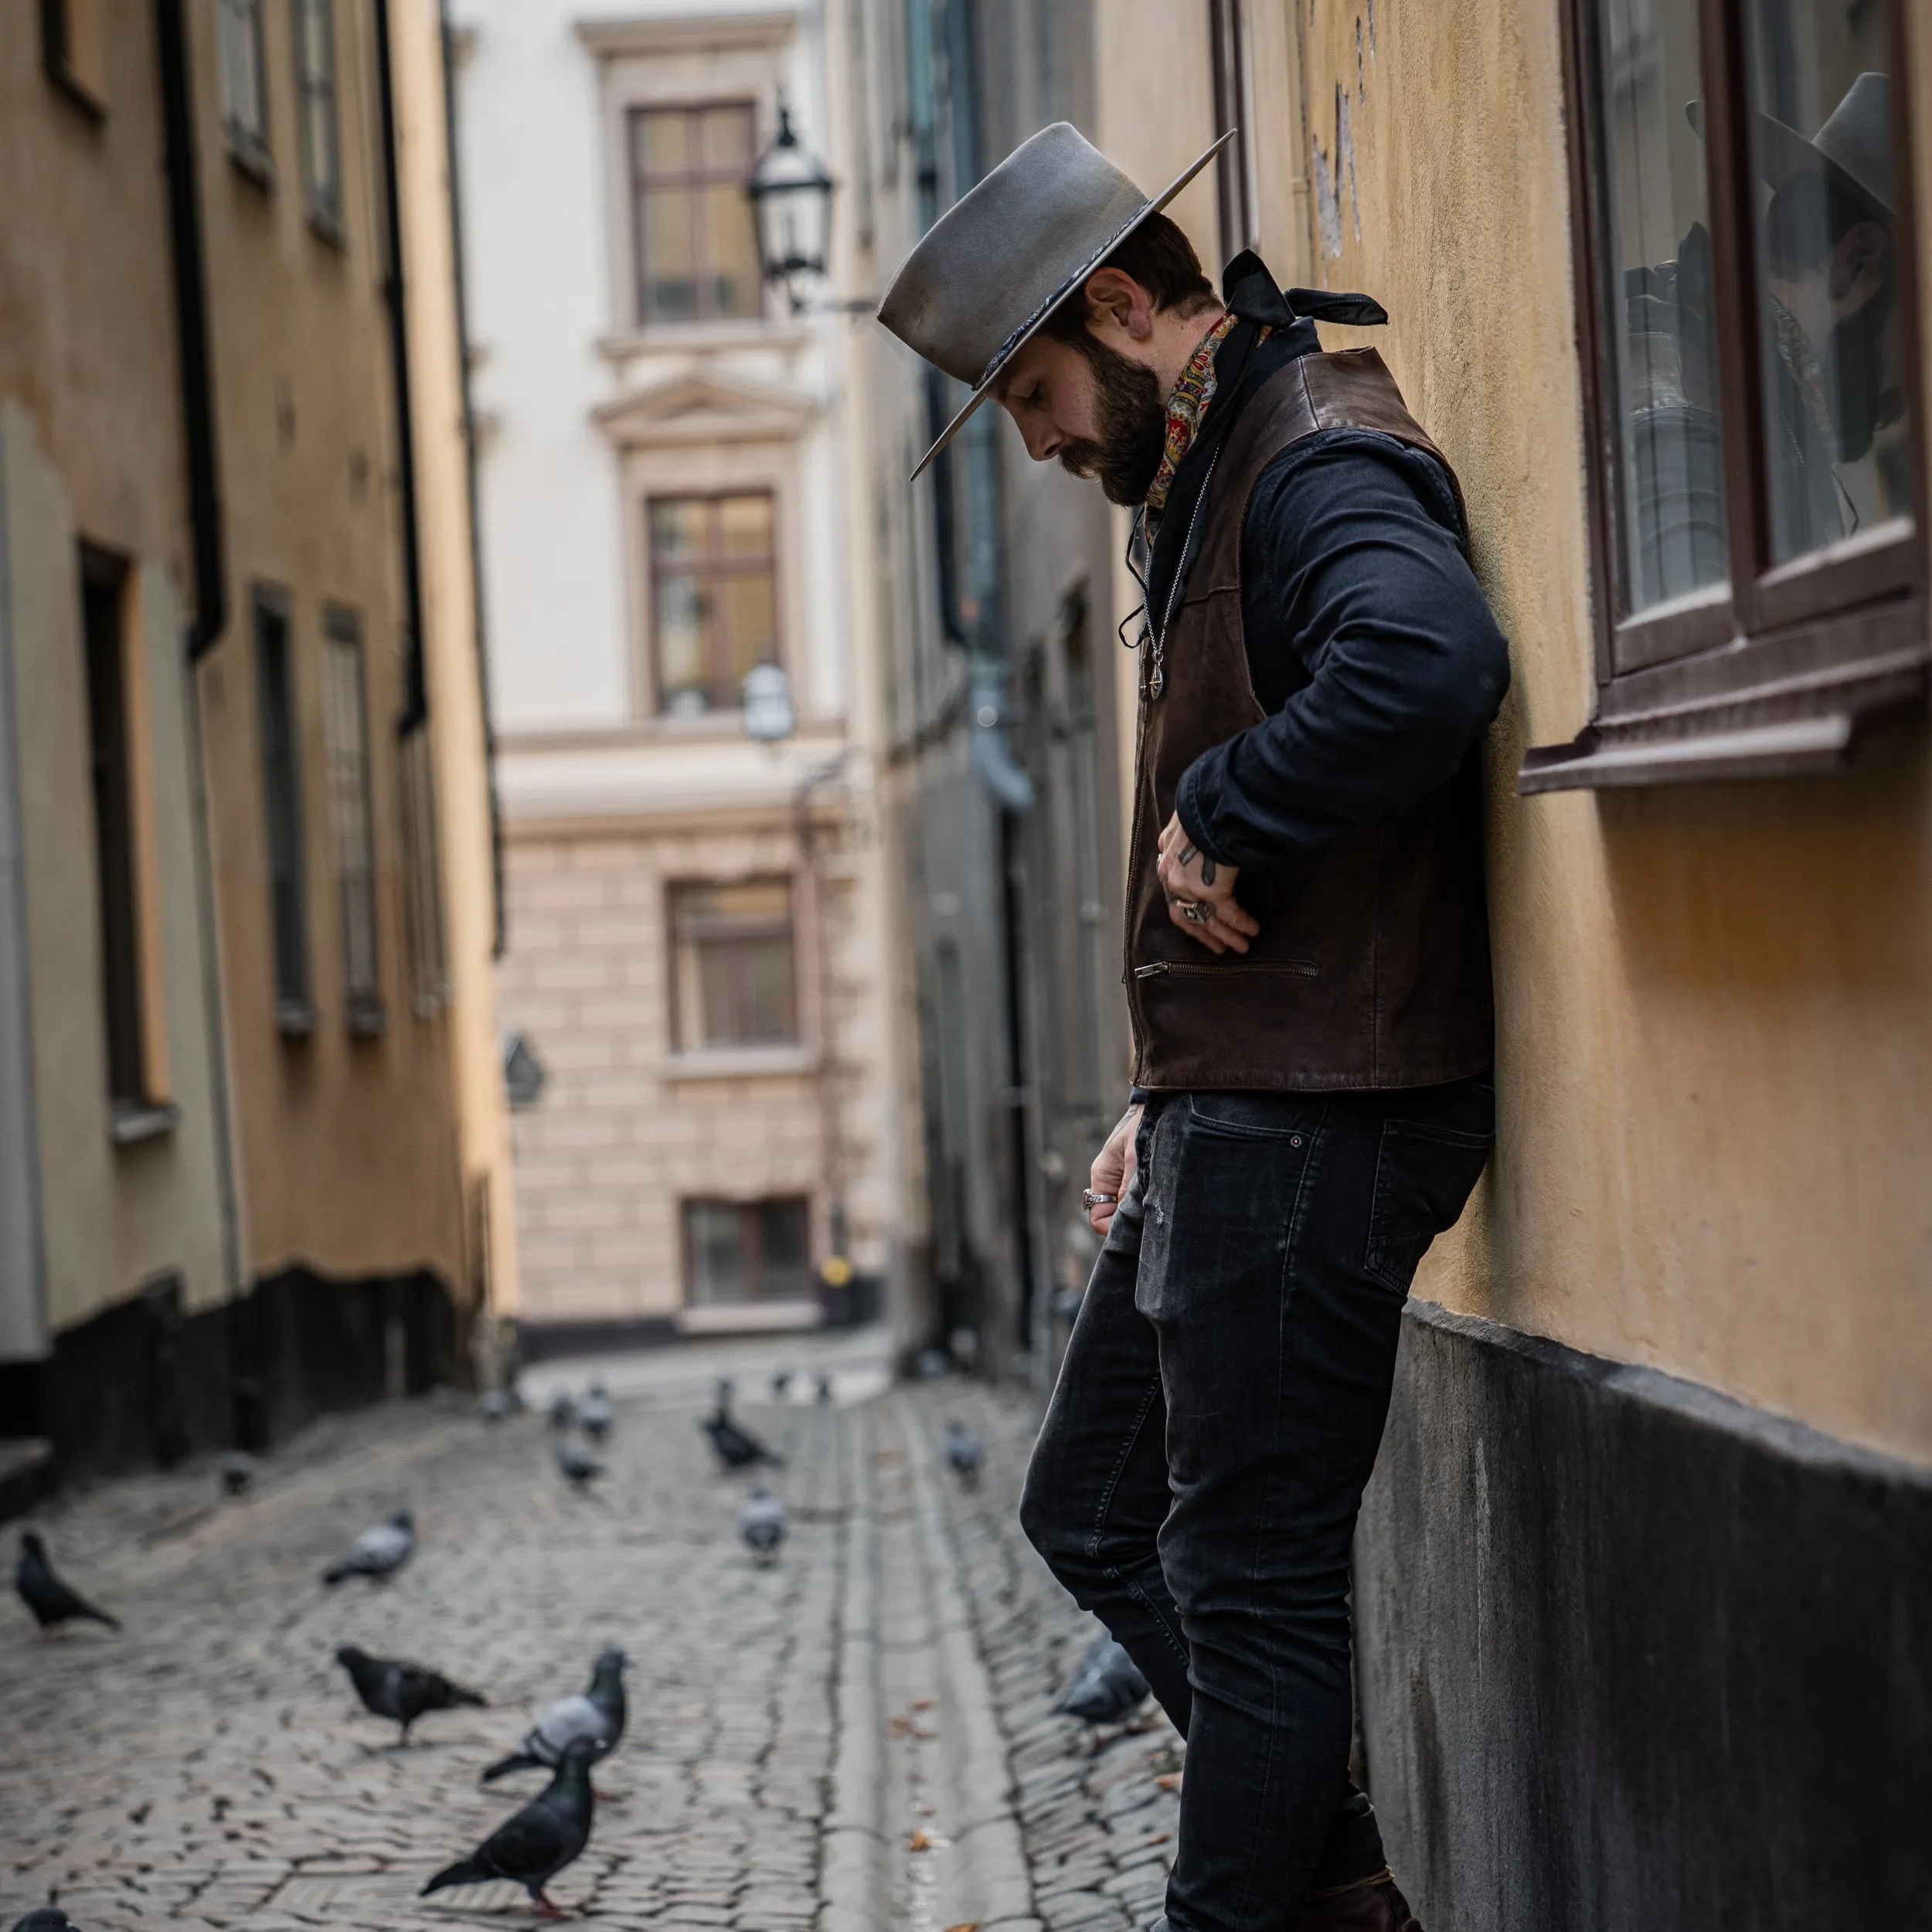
[1425,1172]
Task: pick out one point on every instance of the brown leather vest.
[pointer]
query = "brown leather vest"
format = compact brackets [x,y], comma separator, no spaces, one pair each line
[1371,968]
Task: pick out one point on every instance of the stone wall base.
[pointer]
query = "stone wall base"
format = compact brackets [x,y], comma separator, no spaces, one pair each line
[1632,1655]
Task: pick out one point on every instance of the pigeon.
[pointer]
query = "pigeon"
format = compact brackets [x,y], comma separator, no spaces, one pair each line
[1106,1687]
[781,1384]
[824,1388]
[965,1452]
[237,1472]
[530,1848]
[737,1448]
[576,1465]
[594,1718]
[47,1918]
[43,1592]
[594,1413]
[763,1522]
[403,1691]
[563,1411]
[377,1553]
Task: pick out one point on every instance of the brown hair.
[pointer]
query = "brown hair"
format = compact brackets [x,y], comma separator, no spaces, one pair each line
[1158,256]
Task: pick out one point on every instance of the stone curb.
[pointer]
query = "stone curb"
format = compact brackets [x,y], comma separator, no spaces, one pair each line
[852,1881]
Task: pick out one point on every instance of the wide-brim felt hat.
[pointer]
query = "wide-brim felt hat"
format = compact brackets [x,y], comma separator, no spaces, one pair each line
[988,273]
[1852,149]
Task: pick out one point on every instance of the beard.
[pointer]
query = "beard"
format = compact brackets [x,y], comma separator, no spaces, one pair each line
[1132,413]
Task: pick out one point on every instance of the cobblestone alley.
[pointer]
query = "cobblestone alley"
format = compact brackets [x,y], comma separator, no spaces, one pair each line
[859,1737]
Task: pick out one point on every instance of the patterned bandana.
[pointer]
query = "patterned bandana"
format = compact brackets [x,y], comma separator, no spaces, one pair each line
[1185,409]
[1794,349]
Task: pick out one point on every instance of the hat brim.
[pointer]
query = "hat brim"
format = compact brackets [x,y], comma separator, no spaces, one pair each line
[1033,325]
[1782,152]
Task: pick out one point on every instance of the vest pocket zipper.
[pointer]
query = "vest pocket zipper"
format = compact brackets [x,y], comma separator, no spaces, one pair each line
[1160,968]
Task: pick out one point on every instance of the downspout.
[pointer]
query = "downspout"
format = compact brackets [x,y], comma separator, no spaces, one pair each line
[210,623]
[415,703]
[454,170]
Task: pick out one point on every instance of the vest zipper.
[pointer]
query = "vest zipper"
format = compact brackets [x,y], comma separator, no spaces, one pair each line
[1160,968]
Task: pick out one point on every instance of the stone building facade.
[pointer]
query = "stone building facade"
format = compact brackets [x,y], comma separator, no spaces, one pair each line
[697,921]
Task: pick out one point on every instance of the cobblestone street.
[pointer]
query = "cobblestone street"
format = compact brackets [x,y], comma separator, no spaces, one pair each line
[859,1735]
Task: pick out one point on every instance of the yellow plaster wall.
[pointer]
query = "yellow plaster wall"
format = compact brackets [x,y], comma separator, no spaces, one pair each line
[1715,1002]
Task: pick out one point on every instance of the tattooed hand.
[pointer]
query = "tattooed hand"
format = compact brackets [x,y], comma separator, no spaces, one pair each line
[1200,894]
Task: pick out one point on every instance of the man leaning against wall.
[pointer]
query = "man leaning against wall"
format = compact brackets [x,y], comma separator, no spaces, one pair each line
[1307,974]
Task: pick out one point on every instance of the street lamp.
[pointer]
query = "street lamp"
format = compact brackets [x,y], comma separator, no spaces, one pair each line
[791,201]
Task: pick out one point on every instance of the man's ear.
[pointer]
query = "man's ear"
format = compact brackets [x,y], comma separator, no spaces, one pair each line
[1858,260]
[1116,301]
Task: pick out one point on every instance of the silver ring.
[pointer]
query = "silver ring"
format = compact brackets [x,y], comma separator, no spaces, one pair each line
[1090,1200]
[1194,912]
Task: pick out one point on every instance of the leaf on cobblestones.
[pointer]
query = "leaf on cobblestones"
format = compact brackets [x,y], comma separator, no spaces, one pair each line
[921,1841]
[971,1925]
[1169,1781]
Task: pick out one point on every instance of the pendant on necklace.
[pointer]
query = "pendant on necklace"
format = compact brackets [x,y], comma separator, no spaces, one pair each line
[1156,684]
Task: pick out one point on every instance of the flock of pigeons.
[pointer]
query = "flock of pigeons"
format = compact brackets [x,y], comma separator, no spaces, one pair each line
[570,1735]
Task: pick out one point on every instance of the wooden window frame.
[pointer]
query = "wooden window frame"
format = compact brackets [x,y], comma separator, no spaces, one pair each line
[347,758]
[759,929]
[637,181]
[317,90]
[751,1247]
[247,147]
[73,55]
[1780,672]
[713,566]
[291,963]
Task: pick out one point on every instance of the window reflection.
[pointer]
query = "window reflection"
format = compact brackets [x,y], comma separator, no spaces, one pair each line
[1670,448]
[1833,400]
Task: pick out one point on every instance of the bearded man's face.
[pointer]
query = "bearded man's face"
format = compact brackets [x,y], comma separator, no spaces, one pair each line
[1130,413]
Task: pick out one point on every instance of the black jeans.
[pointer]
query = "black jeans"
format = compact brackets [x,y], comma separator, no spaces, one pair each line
[1196,1481]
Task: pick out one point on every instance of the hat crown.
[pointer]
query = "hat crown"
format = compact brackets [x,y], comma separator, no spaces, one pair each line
[1858,136]
[1007,248]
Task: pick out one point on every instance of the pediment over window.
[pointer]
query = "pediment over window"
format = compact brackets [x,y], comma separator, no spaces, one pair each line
[706,406]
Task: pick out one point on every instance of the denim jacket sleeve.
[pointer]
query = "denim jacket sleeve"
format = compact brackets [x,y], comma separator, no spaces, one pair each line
[1369,642]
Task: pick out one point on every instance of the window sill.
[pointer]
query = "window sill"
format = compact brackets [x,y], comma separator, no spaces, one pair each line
[682,338]
[740,1063]
[1792,712]
[251,157]
[133,1121]
[366,1019]
[750,1318]
[295,1019]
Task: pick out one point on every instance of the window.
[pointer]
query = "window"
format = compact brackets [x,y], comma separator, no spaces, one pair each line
[1747,304]
[72,53]
[714,598]
[737,1251]
[282,812]
[315,104]
[731,965]
[422,904]
[345,722]
[695,239]
[104,589]
[244,98]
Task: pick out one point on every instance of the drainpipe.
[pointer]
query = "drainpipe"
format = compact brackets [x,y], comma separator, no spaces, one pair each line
[415,703]
[454,170]
[210,623]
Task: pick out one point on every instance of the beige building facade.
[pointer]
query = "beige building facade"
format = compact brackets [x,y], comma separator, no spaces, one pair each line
[249,907]
[695,919]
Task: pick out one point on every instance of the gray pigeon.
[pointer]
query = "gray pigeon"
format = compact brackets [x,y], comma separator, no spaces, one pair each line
[781,1385]
[824,1388]
[563,1411]
[237,1473]
[45,1918]
[43,1592]
[763,1522]
[965,1452]
[594,1717]
[391,1688]
[576,1465]
[1106,1687]
[594,1413]
[377,1553]
[530,1848]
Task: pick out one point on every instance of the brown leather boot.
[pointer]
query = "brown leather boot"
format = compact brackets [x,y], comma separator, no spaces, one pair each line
[1375,1905]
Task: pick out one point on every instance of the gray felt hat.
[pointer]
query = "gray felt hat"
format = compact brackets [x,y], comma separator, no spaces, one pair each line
[1005,256]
